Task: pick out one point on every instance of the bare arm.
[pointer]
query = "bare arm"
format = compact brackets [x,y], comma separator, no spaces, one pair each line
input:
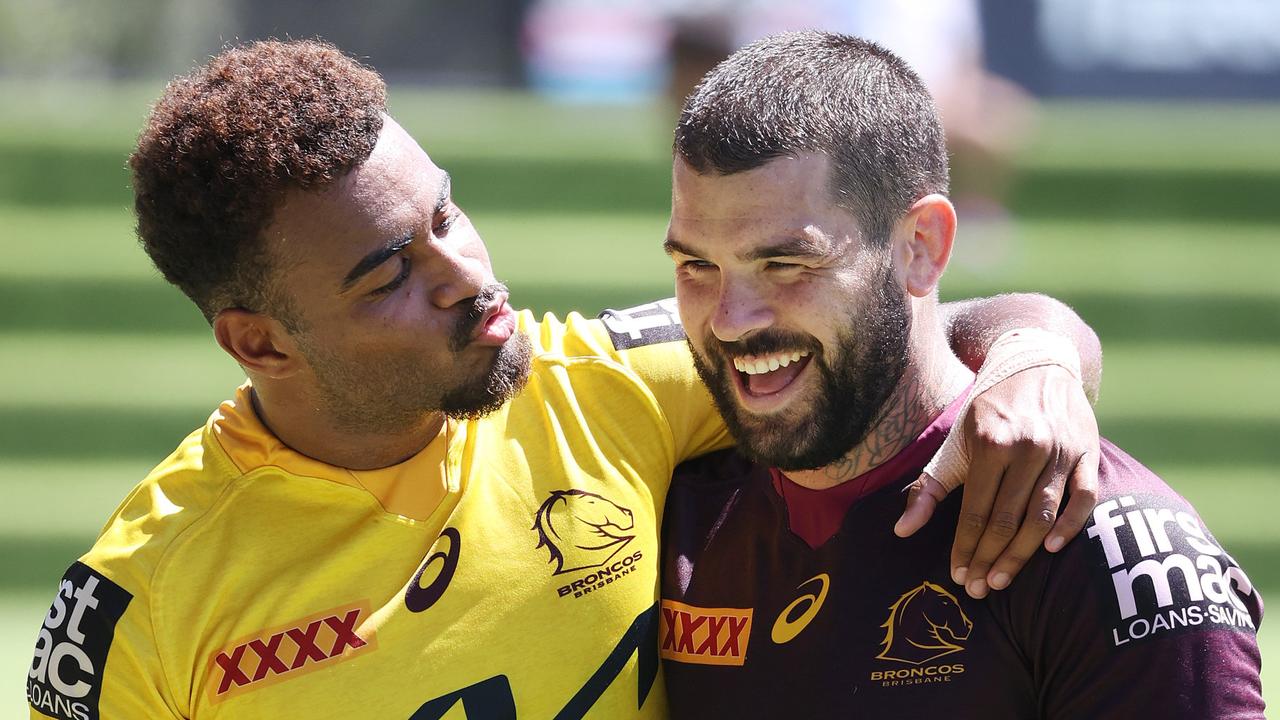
[1026,439]
[972,325]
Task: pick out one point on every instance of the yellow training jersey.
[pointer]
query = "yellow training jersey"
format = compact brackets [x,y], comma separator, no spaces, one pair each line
[509,569]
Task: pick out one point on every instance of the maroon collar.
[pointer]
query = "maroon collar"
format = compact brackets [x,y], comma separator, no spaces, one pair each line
[816,515]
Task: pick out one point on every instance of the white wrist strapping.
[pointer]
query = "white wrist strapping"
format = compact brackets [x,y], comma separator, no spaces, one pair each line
[1023,349]
[1010,354]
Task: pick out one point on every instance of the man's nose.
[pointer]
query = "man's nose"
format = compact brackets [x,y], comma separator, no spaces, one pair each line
[740,310]
[458,277]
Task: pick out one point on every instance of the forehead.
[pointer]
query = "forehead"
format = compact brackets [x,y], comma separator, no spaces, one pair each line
[785,196]
[386,197]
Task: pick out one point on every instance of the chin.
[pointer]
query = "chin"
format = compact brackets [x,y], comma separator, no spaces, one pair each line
[783,444]
[504,379]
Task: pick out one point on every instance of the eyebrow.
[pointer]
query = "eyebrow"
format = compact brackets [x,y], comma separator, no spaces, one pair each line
[384,253]
[798,247]
[446,188]
[801,246]
[671,246]
[373,260]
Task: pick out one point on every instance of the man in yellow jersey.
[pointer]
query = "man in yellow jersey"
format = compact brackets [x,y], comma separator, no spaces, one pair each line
[423,503]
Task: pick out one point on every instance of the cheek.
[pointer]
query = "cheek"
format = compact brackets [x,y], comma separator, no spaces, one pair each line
[696,301]
[821,308]
[808,298]
[403,320]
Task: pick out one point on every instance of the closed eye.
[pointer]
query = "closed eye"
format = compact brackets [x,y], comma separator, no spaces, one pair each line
[695,265]
[447,219]
[779,265]
[405,265]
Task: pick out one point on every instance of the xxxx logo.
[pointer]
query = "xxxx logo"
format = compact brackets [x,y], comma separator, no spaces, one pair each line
[289,651]
[704,636]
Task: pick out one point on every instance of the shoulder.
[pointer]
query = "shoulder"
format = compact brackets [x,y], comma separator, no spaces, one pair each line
[1145,588]
[718,471]
[1144,569]
[174,496]
[707,490]
[639,353]
[614,335]
[103,605]
[1159,558]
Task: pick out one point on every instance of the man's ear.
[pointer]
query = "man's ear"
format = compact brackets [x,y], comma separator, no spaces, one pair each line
[922,243]
[259,343]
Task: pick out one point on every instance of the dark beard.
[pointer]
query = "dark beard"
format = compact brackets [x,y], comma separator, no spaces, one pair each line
[869,360]
[491,391]
[415,390]
[505,379]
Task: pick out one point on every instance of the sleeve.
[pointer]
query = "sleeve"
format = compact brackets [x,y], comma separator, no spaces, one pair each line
[95,654]
[1143,615]
[650,342]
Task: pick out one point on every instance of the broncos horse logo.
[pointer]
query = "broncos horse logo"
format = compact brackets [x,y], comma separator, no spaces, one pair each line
[924,624]
[581,529]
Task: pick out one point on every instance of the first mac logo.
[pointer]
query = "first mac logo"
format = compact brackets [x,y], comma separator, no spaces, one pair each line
[71,651]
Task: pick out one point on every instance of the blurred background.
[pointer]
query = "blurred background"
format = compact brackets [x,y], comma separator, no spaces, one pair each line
[1121,156]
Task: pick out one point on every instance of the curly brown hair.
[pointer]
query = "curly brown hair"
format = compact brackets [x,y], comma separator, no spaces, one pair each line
[222,146]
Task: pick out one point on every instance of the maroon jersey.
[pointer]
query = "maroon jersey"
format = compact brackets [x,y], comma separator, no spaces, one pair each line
[1143,615]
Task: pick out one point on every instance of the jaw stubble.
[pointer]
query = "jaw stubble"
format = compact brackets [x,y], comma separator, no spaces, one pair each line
[855,381]
[393,394]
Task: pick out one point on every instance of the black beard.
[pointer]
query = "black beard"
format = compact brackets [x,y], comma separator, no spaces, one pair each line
[491,391]
[504,380]
[856,383]
[367,397]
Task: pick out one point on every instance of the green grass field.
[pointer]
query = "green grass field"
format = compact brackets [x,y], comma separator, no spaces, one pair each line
[1158,223]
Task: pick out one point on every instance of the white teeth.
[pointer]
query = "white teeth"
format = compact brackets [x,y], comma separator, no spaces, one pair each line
[759,366]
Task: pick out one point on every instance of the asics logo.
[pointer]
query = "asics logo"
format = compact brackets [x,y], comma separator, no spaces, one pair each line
[442,563]
[796,616]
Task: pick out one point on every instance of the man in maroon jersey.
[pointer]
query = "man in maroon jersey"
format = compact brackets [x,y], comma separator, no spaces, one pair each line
[809,229]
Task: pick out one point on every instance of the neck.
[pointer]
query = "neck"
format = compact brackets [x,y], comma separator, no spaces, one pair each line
[932,379]
[305,429]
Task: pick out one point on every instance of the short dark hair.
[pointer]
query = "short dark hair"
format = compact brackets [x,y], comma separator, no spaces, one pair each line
[222,146]
[821,92]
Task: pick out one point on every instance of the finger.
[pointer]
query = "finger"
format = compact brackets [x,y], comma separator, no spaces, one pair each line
[923,497]
[975,508]
[1041,510]
[1083,491]
[1010,507]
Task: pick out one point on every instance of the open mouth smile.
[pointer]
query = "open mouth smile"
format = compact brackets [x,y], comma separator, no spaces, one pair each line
[763,381]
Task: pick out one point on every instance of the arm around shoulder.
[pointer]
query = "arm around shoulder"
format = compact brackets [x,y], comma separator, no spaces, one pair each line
[974,325]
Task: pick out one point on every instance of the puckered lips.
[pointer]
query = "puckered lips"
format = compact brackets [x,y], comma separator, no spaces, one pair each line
[766,382]
[497,324]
